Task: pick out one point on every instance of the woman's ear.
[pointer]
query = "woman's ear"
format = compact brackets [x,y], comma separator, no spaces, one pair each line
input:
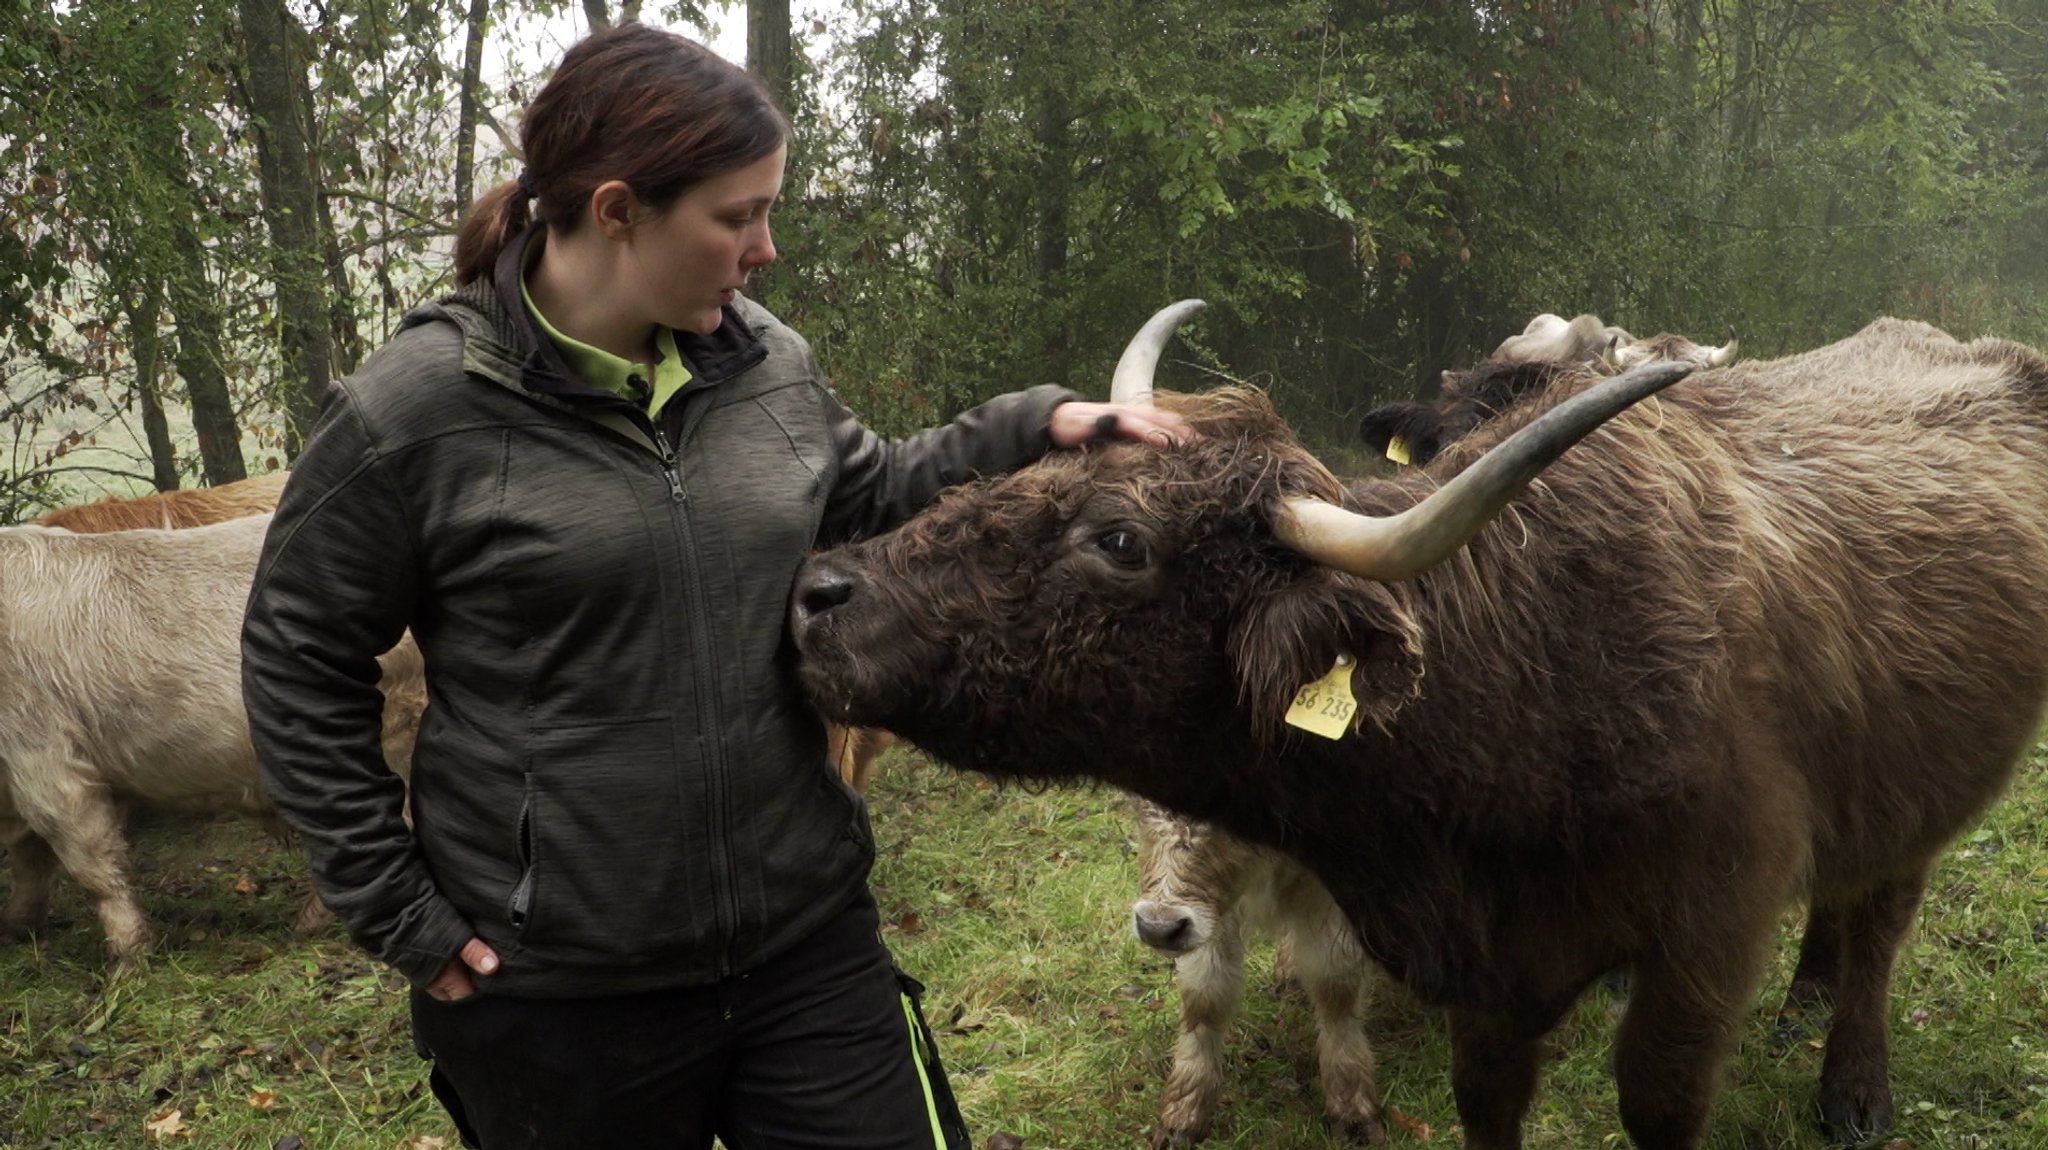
[615,210]
[1292,637]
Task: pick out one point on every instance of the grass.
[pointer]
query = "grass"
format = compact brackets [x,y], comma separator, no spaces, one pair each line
[1054,1023]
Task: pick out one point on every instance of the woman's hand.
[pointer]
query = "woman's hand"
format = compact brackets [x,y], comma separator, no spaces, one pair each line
[1075,422]
[453,983]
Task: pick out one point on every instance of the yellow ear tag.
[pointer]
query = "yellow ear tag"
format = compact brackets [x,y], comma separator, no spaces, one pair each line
[1325,706]
[1397,450]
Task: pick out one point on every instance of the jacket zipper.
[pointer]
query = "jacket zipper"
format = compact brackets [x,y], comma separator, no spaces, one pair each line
[709,712]
[670,464]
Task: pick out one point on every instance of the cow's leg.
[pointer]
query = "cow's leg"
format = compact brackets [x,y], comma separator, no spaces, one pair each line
[35,876]
[1494,1058]
[1820,962]
[1855,1076]
[1678,1029]
[59,798]
[1211,981]
[1334,975]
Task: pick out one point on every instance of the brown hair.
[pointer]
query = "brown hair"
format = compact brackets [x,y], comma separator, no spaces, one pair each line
[630,103]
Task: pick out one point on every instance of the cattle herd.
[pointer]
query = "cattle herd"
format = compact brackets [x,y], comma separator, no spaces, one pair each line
[1771,630]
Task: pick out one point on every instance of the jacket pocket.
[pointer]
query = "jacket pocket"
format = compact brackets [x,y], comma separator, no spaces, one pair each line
[520,905]
[607,856]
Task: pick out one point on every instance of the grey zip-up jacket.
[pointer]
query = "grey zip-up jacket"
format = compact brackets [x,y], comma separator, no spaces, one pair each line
[617,783]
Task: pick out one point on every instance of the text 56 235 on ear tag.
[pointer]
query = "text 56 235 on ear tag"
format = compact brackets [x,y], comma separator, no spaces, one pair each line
[1325,707]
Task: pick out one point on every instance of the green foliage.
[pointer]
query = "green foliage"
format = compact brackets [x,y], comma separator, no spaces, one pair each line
[1020,188]
[1368,193]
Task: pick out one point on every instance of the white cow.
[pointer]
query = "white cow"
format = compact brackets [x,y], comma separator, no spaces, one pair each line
[1201,893]
[120,682]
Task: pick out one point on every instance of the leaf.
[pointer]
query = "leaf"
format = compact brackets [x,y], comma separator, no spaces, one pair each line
[166,1124]
[263,1099]
[1416,1128]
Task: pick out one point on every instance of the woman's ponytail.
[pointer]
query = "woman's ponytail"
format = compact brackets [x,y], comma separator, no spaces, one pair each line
[494,220]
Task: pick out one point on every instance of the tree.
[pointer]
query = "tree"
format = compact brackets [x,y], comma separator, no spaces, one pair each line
[769,49]
[274,80]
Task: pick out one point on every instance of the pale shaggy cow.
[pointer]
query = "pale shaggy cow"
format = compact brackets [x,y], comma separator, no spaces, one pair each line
[120,681]
[1202,893]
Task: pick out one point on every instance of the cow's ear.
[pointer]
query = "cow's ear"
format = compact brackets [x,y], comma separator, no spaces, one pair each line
[1282,641]
[1416,427]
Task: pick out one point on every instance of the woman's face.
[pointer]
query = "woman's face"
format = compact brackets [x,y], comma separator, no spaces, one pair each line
[695,256]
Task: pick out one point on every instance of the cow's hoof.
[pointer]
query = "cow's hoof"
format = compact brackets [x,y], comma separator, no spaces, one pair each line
[129,953]
[1163,1137]
[1363,1131]
[1854,1115]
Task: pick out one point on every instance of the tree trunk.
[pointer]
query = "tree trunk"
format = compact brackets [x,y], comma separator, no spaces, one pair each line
[275,79]
[147,342]
[1052,206]
[198,358]
[345,338]
[599,16]
[477,23]
[769,50]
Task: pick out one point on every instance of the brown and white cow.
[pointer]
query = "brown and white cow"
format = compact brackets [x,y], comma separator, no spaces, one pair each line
[1780,630]
[184,507]
[1203,894]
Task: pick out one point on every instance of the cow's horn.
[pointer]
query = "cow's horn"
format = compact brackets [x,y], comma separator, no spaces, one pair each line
[1725,354]
[1133,380]
[1407,544]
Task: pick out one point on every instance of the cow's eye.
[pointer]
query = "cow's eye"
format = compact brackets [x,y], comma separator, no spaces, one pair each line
[1124,548]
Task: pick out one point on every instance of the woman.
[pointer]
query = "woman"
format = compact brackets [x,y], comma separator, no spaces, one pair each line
[633,900]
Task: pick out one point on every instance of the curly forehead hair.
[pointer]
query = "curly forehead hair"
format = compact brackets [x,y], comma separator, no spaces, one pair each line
[651,108]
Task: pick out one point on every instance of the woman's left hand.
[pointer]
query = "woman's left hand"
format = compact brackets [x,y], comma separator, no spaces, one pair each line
[1076,422]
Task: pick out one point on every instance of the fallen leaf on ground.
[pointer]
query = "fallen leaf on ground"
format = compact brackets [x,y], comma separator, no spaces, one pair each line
[166,1124]
[1416,1128]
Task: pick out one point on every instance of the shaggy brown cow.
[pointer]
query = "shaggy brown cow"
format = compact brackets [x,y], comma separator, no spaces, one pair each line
[188,507]
[1782,628]
[1203,891]
[1523,365]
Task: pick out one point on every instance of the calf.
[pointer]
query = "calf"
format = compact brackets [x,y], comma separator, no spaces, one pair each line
[853,751]
[1202,890]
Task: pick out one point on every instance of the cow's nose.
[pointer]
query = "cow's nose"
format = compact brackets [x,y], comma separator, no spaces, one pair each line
[819,588]
[1162,928]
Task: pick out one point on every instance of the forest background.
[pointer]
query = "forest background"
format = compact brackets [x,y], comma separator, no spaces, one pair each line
[209,210]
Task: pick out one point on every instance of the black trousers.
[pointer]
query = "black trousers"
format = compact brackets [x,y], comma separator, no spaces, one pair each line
[823,1047]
